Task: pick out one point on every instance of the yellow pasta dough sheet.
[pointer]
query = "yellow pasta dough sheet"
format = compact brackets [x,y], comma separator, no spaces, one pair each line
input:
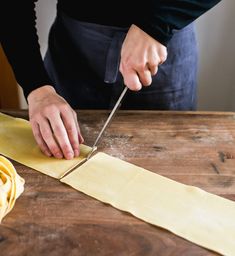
[189,212]
[17,142]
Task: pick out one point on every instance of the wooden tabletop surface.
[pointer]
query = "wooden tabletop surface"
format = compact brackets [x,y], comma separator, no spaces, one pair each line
[51,218]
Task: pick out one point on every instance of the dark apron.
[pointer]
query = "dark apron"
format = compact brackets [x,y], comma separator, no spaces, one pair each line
[83,62]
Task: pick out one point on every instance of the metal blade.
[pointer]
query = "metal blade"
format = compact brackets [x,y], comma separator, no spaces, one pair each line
[100,134]
[117,105]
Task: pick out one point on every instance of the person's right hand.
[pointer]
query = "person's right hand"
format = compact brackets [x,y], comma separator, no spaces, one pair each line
[141,55]
[54,123]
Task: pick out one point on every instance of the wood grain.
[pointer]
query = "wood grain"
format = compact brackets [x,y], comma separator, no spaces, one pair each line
[50,218]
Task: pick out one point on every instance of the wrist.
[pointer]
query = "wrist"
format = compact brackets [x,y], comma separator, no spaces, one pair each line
[41,91]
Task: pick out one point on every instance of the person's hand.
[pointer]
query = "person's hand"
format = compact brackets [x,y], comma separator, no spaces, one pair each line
[54,123]
[140,57]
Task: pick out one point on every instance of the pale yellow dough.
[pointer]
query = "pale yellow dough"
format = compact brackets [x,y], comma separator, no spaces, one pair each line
[17,142]
[196,215]
[189,212]
[11,186]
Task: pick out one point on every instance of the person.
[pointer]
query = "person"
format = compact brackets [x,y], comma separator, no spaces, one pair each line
[94,49]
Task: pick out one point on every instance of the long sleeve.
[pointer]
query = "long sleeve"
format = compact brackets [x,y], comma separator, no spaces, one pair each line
[18,37]
[161,17]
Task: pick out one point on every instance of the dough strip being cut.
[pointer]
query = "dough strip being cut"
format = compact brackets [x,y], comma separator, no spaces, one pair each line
[17,142]
[189,212]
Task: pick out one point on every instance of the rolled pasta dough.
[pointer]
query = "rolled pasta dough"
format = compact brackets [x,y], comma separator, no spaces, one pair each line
[17,142]
[189,212]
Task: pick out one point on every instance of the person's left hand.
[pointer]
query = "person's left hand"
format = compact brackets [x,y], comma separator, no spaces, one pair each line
[141,55]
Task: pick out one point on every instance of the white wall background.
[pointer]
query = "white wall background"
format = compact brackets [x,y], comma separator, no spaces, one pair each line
[216,41]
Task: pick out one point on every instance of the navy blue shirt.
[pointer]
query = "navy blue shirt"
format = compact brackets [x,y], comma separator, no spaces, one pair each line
[19,38]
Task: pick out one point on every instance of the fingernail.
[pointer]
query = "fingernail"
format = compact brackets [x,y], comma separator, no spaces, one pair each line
[48,153]
[70,156]
[76,152]
[58,155]
[81,140]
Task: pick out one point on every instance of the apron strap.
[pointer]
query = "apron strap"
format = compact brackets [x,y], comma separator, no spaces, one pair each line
[113,58]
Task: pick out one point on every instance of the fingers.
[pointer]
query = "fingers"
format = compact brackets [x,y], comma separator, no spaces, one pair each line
[80,138]
[71,127]
[137,76]
[54,123]
[49,139]
[141,55]
[58,134]
[145,76]
[39,139]
[139,73]
[61,135]
[131,79]
[153,64]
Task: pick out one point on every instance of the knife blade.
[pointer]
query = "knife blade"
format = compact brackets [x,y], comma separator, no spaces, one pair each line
[94,147]
[111,115]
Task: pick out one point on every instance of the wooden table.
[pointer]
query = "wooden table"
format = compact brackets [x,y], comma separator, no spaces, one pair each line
[51,218]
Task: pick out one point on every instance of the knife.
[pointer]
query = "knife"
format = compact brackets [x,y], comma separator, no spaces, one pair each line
[111,115]
[94,147]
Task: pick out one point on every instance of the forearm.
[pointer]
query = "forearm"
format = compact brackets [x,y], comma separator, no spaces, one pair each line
[20,43]
[166,15]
